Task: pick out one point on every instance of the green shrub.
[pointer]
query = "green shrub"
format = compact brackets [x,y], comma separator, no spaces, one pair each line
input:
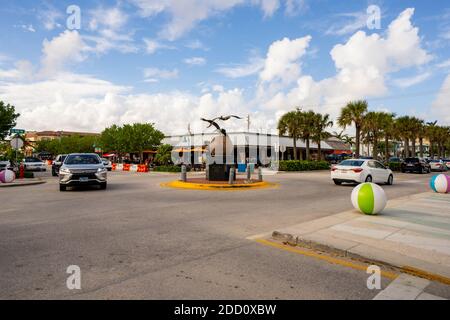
[27,175]
[303,165]
[394,166]
[167,169]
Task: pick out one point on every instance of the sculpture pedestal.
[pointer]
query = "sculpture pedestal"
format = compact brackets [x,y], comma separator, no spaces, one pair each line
[218,172]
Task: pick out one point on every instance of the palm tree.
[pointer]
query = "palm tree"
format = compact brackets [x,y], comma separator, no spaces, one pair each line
[421,133]
[290,124]
[308,123]
[430,132]
[388,130]
[403,130]
[372,129]
[319,134]
[354,113]
[414,126]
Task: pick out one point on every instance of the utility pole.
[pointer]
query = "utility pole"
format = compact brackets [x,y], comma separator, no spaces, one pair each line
[248,123]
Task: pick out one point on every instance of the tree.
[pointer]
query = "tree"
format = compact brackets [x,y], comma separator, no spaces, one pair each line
[112,139]
[8,117]
[307,128]
[387,120]
[141,136]
[290,124]
[403,131]
[164,155]
[322,122]
[354,113]
[372,129]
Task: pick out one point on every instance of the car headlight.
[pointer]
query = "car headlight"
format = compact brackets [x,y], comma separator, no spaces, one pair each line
[64,171]
[101,170]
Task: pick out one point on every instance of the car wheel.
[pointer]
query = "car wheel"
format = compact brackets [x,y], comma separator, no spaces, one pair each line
[62,187]
[390,181]
[103,186]
[368,179]
[338,183]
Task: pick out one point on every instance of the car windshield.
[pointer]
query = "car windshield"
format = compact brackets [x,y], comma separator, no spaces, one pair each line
[352,163]
[62,158]
[412,160]
[32,160]
[435,161]
[82,159]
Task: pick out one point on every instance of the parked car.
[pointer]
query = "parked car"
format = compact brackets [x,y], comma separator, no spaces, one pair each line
[415,165]
[82,169]
[361,170]
[7,165]
[395,160]
[57,164]
[437,165]
[34,164]
[447,163]
[107,164]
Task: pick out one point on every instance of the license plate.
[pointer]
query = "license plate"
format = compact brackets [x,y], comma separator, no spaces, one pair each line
[84,179]
[410,165]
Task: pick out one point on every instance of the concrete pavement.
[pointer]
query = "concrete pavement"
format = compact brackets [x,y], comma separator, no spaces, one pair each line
[412,233]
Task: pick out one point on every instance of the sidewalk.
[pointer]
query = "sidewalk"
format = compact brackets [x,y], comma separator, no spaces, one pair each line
[22,182]
[412,233]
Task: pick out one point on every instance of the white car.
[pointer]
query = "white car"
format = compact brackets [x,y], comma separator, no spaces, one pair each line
[6,165]
[437,165]
[34,164]
[107,164]
[361,170]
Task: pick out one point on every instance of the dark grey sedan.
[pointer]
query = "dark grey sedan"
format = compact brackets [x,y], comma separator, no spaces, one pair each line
[80,169]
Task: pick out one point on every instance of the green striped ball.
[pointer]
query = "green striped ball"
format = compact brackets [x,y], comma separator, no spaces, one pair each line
[369,198]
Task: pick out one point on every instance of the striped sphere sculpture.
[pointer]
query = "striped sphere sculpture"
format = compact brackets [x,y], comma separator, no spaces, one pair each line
[440,183]
[7,176]
[369,198]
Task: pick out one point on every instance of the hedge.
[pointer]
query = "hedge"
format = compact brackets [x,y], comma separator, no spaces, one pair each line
[26,175]
[168,169]
[303,165]
[394,166]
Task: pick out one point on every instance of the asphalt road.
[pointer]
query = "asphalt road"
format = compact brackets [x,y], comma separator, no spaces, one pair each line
[139,240]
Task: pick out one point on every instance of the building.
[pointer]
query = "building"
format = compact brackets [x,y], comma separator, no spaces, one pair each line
[33,137]
[250,146]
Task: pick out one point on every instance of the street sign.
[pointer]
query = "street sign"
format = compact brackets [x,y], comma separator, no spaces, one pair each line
[16,143]
[16,131]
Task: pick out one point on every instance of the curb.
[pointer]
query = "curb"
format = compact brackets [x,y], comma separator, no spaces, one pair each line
[288,239]
[30,183]
[218,187]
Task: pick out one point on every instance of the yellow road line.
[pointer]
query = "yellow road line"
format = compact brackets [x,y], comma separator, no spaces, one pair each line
[333,260]
[425,274]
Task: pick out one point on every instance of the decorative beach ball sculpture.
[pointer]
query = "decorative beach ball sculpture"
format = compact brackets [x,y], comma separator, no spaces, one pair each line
[440,183]
[7,176]
[369,198]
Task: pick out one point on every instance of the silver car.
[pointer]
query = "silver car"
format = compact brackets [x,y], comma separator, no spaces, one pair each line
[79,169]
[34,164]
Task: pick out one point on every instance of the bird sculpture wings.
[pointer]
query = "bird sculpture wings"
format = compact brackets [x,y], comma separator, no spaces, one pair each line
[213,122]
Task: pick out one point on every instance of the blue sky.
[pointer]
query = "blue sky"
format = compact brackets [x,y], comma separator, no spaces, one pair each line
[170,62]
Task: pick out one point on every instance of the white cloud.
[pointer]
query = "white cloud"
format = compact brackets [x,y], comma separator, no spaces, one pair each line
[440,108]
[109,18]
[254,66]
[362,64]
[444,64]
[195,45]
[61,51]
[183,18]
[28,27]
[358,20]
[151,46]
[282,61]
[154,74]
[411,81]
[50,18]
[195,61]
